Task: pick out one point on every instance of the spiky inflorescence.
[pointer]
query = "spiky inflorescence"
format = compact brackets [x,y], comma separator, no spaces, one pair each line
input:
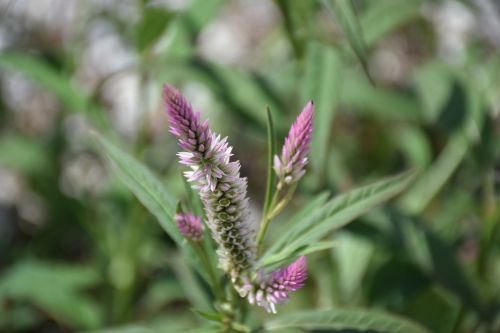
[190,226]
[267,291]
[222,190]
[290,166]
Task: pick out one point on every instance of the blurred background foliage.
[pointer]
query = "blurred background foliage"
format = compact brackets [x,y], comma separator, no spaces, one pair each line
[398,84]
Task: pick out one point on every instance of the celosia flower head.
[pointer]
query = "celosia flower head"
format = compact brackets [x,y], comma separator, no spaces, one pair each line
[190,226]
[290,165]
[221,189]
[267,291]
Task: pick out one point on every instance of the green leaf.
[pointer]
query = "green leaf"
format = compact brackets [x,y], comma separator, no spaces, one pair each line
[382,103]
[190,285]
[322,79]
[343,209]
[23,154]
[305,250]
[126,329]
[428,185]
[146,187]
[382,17]
[352,256]
[344,11]
[436,176]
[212,316]
[55,288]
[346,319]
[306,211]
[433,84]
[57,83]
[151,26]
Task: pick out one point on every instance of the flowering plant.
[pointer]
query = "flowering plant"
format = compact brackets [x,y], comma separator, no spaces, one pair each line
[222,242]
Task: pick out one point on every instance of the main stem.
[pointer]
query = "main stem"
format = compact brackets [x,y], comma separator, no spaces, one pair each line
[264,223]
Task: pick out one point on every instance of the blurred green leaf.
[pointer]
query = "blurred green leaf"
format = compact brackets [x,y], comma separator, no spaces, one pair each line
[340,211]
[152,24]
[189,283]
[160,293]
[56,288]
[321,83]
[433,83]
[146,187]
[379,102]
[443,313]
[384,16]
[23,154]
[346,319]
[343,11]
[127,329]
[353,254]
[240,91]
[414,144]
[427,186]
[432,181]
[212,316]
[57,83]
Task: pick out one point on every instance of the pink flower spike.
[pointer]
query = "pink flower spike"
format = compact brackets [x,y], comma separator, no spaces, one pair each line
[222,190]
[274,289]
[290,166]
[190,226]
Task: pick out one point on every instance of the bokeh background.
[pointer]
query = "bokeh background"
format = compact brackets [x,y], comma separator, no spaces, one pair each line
[398,84]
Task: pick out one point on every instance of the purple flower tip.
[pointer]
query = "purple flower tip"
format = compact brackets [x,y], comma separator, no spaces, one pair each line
[267,292]
[193,135]
[190,226]
[290,166]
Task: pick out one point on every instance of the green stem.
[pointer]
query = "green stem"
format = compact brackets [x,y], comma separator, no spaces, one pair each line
[264,223]
[282,204]
[275,208]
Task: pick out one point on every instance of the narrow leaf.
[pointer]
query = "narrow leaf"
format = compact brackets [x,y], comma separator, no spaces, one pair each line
[344,11]
[145,186]
[150,27]
[57,83]
[344,209]
[311,207]
[346,319]
[271,151]
[308,249]
[382,17]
